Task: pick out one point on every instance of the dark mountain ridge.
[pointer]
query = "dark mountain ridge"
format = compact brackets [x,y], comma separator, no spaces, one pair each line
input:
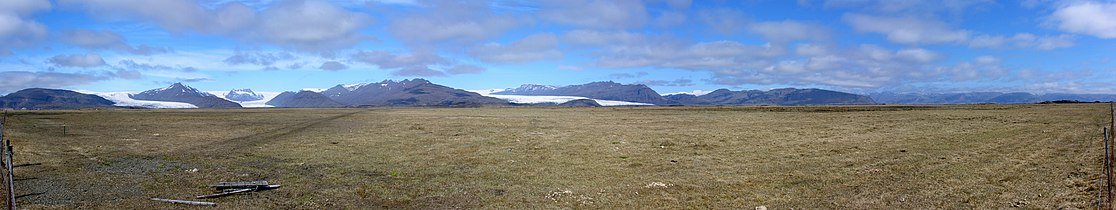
[40,98]
[984,97]
[303,99]
[411,92]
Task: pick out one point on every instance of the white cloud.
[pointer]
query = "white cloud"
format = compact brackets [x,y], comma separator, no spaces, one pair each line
[598,14]
[907,30]
[465,69]
[810,50]
[258,58]
[451,22]
[421,64]
[918,55]
[1023,40]
[727,21]
[333,66]
[541,46]
[16,29]
[78,60]
[312,26]
[18,80]
[987,59]
[297,24]
[589,37]
[187,15]
[389,60]
[1087,17]
[90,39]
[789,30]
[919,7]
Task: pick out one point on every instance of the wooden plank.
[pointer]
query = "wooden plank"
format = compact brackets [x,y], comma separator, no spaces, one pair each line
[200,203]
[224,193]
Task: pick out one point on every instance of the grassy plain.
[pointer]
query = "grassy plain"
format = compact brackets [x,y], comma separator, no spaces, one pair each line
[863,157]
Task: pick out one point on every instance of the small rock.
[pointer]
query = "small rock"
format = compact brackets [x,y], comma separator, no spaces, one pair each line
[192,170]
[761,208]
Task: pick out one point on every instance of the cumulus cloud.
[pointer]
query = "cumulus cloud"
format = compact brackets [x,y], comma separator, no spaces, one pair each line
[333,66]
[77,60]
[131,65]
[919,7]
[590,37]
[465,69]
[17,30]
[627,75]
[409,64]
[1023,40]
[789,30]
[187,15]
[18,80]
[542,46]
[724,20]
[1087,17]
[669,83]
[90,39]
[312,26]
[296,24]
[417,71]
[389,60]
[453,22]
[907,30]
[598,14]
[258,58]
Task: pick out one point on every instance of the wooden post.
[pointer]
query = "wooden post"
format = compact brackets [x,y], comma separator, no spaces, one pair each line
[1107,173]
[185,202]
[11,181]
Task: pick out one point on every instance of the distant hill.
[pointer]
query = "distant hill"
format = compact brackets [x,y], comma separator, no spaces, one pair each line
[303,99]
[784,96]
[581,102]
[185,94]
[984,97]
[597,90]
[243,95]
[39,98]
[414,92]
[641,93]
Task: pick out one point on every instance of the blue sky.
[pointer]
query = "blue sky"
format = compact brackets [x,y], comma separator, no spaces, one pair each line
[858,46]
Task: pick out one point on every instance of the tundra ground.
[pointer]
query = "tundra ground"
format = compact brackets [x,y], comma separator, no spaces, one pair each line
[861,157]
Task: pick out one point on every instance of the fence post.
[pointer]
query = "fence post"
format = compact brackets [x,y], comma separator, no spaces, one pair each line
[1106,169]
[11,182]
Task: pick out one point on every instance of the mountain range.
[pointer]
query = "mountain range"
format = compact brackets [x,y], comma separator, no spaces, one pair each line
[303,99]
[39,98]
[423,93]
[984,97]
[643,94]
[178,92]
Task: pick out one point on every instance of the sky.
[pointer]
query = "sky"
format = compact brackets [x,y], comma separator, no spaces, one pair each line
[860,46]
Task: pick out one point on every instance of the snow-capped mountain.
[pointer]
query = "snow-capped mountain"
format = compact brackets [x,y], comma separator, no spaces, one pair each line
[527,89]
[597,90]
[185,94]
[242,95]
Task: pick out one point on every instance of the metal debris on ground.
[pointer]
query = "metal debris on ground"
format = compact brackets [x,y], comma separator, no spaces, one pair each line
[230,188]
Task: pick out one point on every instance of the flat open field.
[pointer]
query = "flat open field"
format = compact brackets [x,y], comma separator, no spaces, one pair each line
[871,157]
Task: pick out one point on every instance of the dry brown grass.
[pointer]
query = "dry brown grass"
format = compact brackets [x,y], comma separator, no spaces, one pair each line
[873,157]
